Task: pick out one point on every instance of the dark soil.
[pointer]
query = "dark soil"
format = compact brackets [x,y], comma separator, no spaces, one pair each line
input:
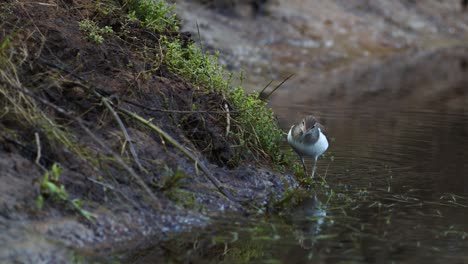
[61,67]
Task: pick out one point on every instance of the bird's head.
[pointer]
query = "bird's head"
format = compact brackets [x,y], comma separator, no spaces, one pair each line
[297,130]
[309,123]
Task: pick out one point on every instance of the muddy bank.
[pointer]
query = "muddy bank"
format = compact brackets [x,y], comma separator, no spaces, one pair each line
[65,88]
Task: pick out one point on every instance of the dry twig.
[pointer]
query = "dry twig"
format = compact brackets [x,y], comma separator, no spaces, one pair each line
[186,152]
[38,145]
[274,89]
[106,102]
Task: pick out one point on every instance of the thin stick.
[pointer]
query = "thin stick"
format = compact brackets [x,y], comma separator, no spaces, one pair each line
[44,4]
[178,111]
[326,171]
[278,86]
[105,101]
[139,180]
[24,147]
[264,88]
[101,183]
[39,151]
[228,116]
[38,144]
[186,152]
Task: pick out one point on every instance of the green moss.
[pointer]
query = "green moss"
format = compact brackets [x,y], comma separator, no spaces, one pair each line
[182,58]
[257,129]
[188,61]
[106,8]
[93,32]
[154,14]
[246,252]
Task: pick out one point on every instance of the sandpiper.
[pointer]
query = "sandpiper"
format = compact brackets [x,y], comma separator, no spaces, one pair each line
[307,139]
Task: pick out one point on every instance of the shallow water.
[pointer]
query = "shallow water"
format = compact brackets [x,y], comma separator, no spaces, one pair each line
[395,189]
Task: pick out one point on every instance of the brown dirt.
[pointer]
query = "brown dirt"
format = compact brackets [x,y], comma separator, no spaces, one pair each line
[65,69]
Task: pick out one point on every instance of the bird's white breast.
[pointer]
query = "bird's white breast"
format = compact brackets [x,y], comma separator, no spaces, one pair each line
[312,150]
[321,145]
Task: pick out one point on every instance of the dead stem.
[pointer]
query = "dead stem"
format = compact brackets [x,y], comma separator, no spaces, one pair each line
[264,88]
[184,150]
[228,116]
[264,98]
[105,101]
[177,111]
[38,153]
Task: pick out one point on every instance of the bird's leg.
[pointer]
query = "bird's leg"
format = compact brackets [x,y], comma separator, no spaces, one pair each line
[314,165]
[303,165]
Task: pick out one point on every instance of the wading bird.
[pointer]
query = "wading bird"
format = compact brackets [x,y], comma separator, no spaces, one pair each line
[307,139]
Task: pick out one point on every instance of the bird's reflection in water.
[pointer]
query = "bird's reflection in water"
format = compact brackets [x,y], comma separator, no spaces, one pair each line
[308,218]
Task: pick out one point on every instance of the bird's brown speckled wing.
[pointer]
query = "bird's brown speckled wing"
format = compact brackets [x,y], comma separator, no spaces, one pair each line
[296,132]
